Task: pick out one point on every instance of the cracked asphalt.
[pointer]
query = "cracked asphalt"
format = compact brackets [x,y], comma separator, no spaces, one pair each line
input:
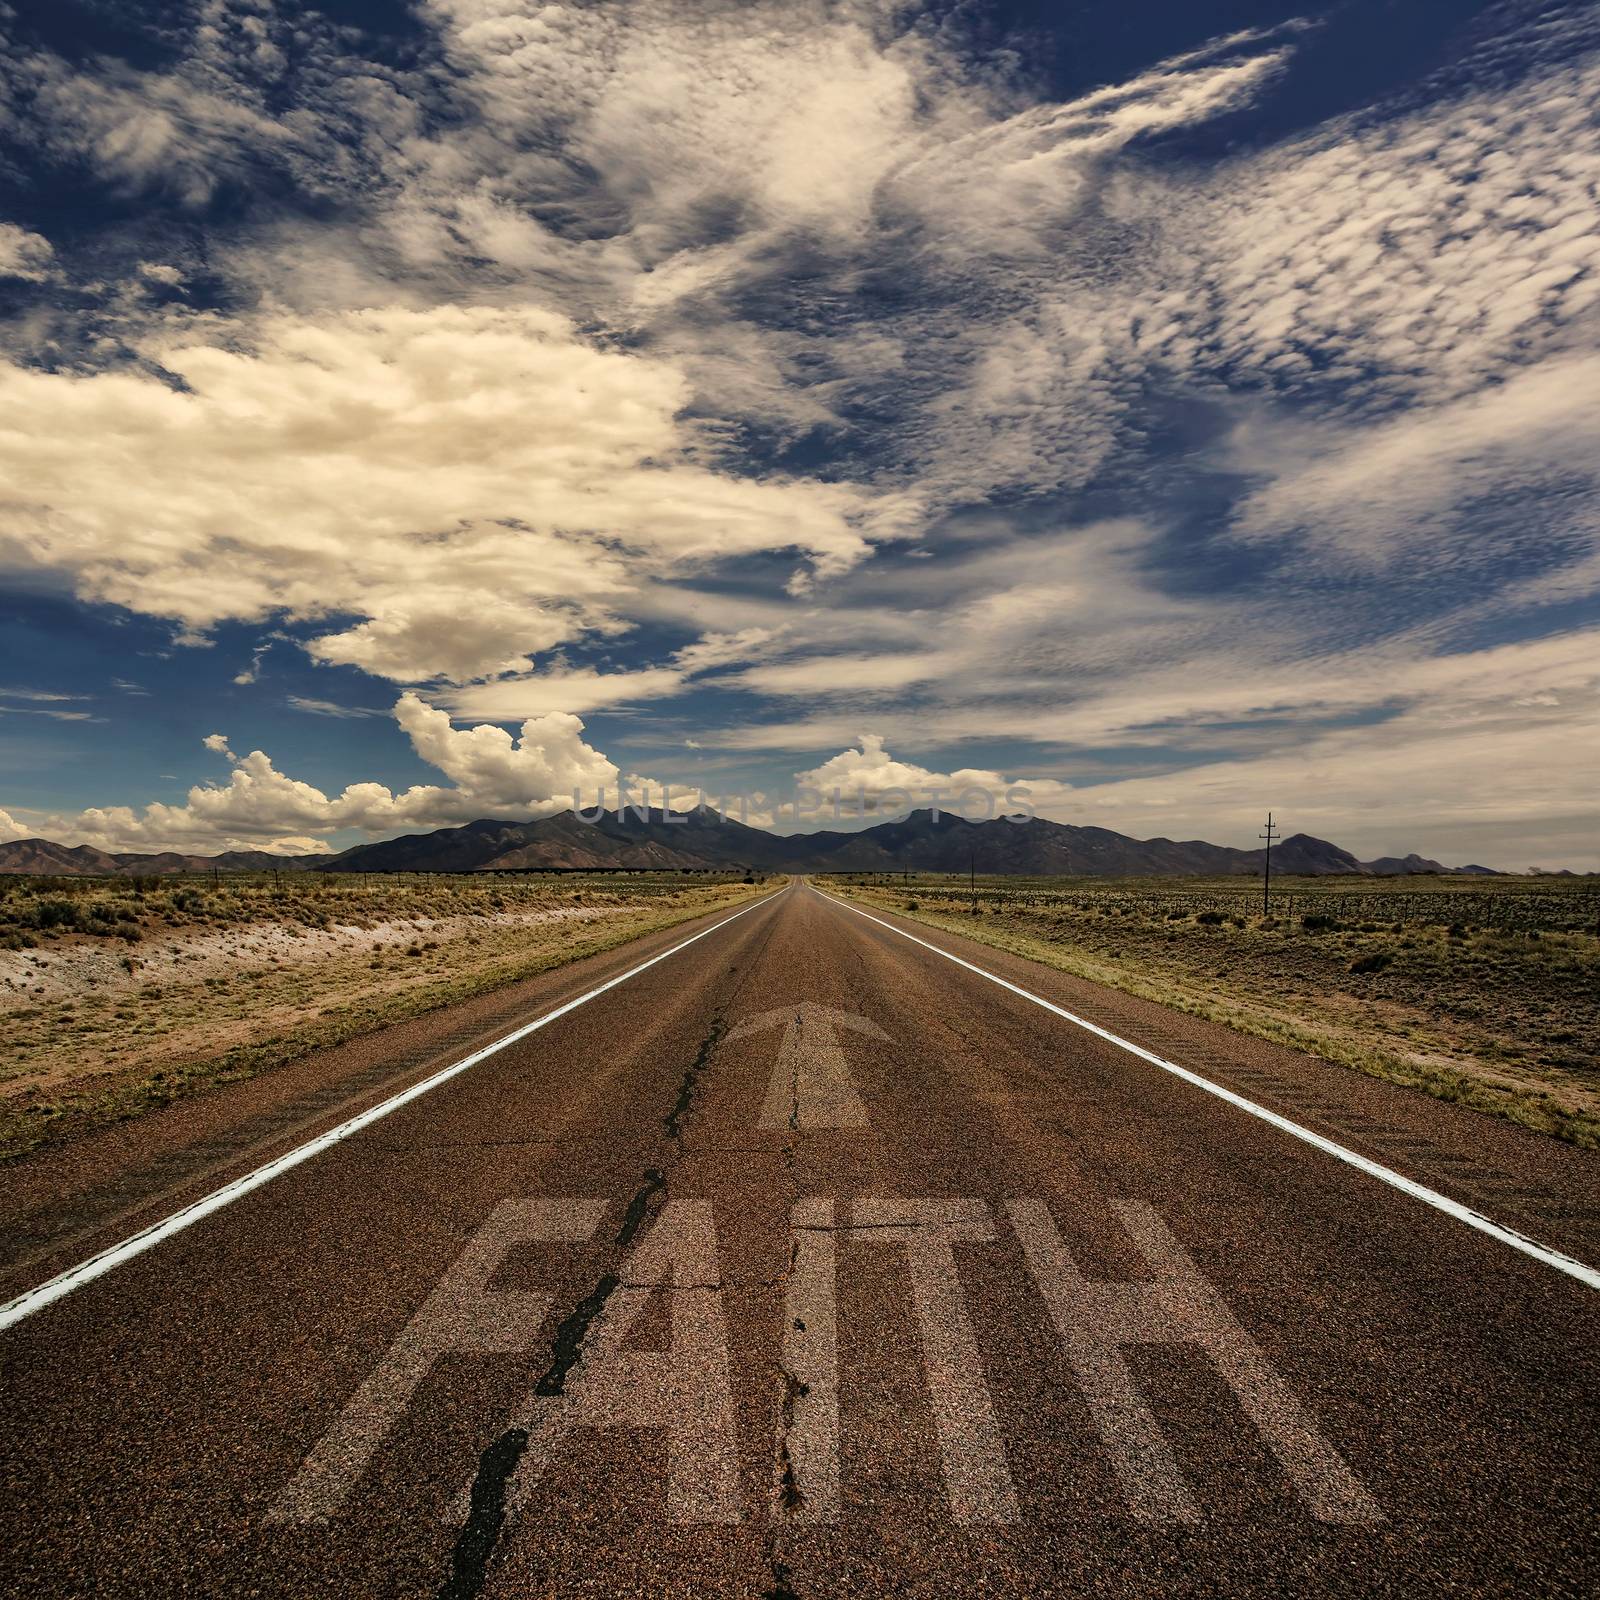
[589,1319]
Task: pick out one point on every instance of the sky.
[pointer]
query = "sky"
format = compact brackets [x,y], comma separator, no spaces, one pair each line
[412,413]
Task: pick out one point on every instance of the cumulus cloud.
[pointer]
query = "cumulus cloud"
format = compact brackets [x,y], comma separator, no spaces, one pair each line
[871,774]
[11,829]
[472,484]
[542,768]
[872,770]
[538,771]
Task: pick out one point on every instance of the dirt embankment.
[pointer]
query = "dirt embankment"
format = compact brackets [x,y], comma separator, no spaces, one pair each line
[85,967]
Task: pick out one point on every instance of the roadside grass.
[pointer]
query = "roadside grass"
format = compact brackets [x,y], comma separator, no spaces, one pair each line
[1483,994]
[119,1045]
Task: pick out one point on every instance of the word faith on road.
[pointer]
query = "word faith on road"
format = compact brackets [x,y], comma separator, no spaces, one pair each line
[685,1392]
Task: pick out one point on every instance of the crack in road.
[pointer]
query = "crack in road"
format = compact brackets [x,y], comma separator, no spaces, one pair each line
[486,1514]
[481,1532]
[673,1121]
[794,1092]
[781,1589]
[790,1494]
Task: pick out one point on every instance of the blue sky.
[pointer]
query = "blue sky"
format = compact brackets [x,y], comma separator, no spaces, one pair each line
[412,413]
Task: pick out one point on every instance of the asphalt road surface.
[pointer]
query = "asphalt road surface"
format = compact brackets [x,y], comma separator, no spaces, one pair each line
[807,1262]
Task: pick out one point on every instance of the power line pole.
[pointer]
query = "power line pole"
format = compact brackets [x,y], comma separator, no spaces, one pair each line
[1266,876]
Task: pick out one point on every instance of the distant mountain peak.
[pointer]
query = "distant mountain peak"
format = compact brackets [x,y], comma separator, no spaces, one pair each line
[705,839]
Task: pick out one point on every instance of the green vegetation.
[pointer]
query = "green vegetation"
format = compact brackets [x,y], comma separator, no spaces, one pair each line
[118,995]
[1484,992]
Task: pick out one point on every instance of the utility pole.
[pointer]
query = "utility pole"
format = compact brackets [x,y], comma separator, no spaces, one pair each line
[1266,876]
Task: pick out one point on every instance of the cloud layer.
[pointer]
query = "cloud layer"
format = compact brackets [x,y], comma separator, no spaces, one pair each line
[797,369]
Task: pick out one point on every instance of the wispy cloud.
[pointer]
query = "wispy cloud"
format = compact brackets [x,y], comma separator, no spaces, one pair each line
[330,708]
[24,255]
[42,703]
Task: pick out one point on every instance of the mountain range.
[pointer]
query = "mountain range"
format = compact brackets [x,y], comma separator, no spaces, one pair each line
[705,840]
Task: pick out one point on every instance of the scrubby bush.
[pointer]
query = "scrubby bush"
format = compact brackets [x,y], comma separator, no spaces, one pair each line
[54,913]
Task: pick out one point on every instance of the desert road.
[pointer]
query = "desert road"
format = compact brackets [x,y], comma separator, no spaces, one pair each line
[779,1254]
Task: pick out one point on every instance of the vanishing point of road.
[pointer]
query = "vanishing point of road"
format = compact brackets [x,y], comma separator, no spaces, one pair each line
[803,1252]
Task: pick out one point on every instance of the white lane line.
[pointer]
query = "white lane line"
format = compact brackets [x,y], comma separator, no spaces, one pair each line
[1397,1180]
[13,1311]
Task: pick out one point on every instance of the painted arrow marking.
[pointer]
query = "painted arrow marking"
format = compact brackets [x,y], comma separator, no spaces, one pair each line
[811,1084]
